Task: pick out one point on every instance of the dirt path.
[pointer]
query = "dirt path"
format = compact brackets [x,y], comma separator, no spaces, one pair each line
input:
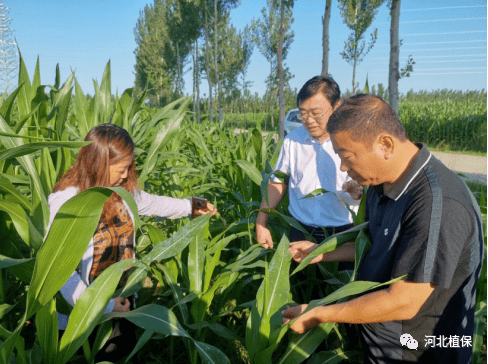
[472,166]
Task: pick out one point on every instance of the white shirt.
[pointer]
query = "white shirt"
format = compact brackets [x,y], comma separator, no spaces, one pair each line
[312,165]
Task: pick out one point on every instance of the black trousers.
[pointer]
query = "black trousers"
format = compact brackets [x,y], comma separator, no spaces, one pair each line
[319,236]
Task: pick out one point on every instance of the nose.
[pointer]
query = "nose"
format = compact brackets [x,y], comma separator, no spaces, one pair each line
[344,167]
[125,174]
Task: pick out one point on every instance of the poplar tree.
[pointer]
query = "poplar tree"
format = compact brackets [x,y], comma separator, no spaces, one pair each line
[358,16]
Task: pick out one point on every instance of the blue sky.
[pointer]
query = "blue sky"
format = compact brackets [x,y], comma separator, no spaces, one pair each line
[446,38]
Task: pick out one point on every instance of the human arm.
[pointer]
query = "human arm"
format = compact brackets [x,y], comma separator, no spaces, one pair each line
[401,301]
[163,206]
[299,250]
[276,191]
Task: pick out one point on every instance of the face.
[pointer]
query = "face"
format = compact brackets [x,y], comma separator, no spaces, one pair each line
[315,112]
[119,172]
[363,163]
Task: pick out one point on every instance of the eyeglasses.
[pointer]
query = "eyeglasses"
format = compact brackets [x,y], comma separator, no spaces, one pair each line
[313,115]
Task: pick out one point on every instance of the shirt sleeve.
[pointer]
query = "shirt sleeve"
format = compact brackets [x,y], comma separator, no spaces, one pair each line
[162,206]
[283,161]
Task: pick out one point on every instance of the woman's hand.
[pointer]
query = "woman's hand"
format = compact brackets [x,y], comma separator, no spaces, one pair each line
[121,304]
[207,209]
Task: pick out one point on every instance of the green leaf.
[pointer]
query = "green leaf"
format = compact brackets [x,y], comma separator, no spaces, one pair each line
[164,135]
[330,244]
[300,347]
[140,343]
[22,223]
[250,170]
[196,261]
[24,97]
[6,107]
[272,295]
[210,354]
[362,245]
[47,331]
[152,317]
[89,309]
[361,214]
[33,147]
[6,262]
[67,240]
[218,329]
[81,110]
[178,241]
[39,202]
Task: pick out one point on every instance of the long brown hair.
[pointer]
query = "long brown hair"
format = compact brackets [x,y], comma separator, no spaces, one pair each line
[110,145]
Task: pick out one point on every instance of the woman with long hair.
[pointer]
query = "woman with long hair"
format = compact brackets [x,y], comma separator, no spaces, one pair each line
[108,162]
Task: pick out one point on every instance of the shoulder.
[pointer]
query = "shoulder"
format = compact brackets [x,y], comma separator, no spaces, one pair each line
[298,135]
[60,197]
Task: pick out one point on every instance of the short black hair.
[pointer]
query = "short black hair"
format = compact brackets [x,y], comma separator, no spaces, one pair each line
[366,116]
[324,84]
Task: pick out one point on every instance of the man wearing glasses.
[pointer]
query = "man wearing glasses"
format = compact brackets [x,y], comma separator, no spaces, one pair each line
[308,158]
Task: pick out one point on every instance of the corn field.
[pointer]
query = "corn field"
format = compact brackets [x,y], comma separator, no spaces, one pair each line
[207,293]
[449,125]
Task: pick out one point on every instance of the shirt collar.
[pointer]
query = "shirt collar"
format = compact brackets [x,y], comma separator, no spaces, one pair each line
[310,139]
[418,162]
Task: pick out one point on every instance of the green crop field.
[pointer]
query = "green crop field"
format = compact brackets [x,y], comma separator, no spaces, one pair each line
[456,124]
[207,293]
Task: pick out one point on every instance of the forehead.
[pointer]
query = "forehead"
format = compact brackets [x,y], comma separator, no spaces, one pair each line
[343,142]
[315,102]
[123,163]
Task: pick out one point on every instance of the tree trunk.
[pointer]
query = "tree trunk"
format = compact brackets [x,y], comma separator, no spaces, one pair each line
[193,57]
[197,82]
[219,83]
[354,73]
[394,74]
[281,85]
[207,70]
[325,38]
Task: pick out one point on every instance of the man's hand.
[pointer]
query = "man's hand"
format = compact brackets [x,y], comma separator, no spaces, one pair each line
[121,304]
[304,322]
[263,236]
[299,250]
[354,189]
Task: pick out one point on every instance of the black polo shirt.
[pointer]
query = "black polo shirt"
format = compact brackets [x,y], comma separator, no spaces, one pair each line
[427,226]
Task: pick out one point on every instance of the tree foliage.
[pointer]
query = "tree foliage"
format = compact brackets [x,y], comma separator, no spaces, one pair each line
[358,16]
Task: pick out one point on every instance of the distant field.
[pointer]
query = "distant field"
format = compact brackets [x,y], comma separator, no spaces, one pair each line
[444,125]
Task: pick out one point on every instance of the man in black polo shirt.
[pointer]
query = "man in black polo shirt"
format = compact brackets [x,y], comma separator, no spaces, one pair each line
[424,223]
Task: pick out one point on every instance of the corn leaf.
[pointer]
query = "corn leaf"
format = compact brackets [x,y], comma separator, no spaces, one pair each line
[70,233]
[89,309]
[250,170]
[160,319]
[330,244]
[22,223]
[272,295]
[300,347]
[47,331]
[196,261]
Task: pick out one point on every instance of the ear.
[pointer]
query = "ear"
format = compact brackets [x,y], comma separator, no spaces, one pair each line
[386,145]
